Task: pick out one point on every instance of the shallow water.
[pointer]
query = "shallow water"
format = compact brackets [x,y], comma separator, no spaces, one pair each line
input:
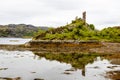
[28,66]
[14,41]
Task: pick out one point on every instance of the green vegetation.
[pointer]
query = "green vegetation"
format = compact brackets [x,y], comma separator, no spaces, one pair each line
[79,30]
[20,30]
[110,34]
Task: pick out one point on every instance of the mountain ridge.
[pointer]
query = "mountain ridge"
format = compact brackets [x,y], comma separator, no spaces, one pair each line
[19,30]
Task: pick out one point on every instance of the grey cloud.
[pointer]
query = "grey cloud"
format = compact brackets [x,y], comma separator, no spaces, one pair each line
[64,4]
[59,12]
[110,22]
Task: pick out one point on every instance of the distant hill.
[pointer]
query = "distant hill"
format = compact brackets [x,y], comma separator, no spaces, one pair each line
[19,30]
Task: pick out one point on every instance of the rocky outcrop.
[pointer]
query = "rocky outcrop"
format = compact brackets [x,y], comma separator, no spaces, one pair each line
[63,45]
[108,47]
[71,46]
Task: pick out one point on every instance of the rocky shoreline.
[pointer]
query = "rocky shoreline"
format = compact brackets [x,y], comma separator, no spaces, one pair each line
[66,46]
[63,46]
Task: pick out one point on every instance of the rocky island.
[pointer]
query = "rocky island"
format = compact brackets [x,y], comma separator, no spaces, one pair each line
[78,36]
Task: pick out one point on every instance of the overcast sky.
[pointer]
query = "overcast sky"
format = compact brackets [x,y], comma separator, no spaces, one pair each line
[54,13]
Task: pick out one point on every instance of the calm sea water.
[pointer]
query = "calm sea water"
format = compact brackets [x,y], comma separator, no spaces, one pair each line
[14,41]
[28,66]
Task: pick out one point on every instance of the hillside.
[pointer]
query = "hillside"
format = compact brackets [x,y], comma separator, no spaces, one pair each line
[19,30]
[76,30]
[110,34]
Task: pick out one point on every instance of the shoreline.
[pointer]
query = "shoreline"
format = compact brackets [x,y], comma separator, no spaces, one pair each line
[65,46]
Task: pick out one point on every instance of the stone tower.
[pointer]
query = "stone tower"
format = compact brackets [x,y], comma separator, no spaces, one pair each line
[84,16]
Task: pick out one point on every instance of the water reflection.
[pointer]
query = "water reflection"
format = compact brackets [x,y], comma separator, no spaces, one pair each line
[76,66]
[77,60]
[87,61]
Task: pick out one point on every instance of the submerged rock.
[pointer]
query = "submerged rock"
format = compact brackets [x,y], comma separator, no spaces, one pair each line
[66,72]
[38,79]
[114,75]
[72,69]
[3,68]
[5,78]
